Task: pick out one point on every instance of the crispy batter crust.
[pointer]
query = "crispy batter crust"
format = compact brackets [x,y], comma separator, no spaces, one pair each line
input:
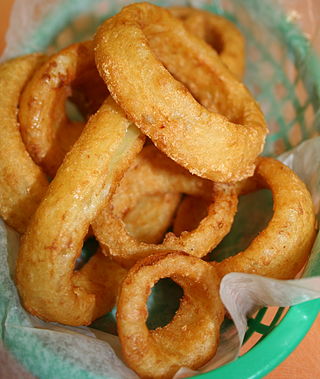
[22,182]
[46,130]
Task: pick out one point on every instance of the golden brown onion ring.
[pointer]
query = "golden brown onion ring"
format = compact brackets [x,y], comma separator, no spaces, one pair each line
[281,250]
[189,214]
[49,249]
[22,182]
[46,131]
[159,173]
[218,32]
[191,338]
[219,145]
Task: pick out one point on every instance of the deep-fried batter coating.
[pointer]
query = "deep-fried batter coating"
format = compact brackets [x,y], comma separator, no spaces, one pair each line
[46,130]
[191,338]
[218,32]
[49,249]
[22,182]
[282,248]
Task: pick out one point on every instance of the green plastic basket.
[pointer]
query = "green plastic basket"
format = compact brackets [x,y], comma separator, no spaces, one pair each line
[284,76]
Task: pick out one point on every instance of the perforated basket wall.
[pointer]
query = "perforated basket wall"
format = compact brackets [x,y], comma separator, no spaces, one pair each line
[283,73]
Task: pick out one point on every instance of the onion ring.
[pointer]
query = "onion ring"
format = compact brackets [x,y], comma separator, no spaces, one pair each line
[46,131]
[218,32]
[53,241]
[22,183]
[280,250]
[219,146]
[158,173]
[161,352]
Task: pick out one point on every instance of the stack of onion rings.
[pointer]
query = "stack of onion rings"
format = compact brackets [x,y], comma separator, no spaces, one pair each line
[164,77]
[127,250]
[219,146]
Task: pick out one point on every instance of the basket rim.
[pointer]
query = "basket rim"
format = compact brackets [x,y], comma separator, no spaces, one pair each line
[275,347]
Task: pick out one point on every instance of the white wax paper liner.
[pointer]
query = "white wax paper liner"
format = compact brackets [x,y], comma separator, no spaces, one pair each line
[242,295]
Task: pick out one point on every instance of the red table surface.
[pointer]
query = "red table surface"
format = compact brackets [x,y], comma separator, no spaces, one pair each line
[304,362]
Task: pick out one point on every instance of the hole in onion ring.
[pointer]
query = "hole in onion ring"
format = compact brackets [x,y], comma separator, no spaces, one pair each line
[162,304]
[161,307]
[106,323]
[214,40]
[151,216]
[90,247]
[191,211]
[73,112]
[248,222]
